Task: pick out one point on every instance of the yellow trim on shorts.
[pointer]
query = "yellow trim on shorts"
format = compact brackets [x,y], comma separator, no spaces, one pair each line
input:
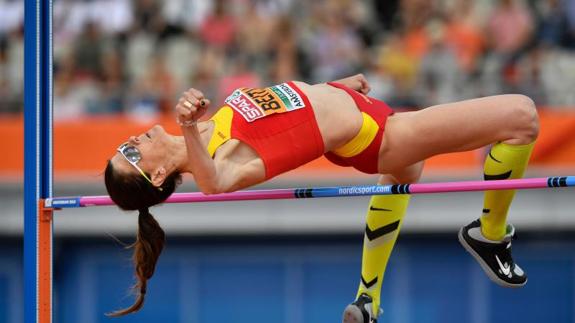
[361,141]
[222,129]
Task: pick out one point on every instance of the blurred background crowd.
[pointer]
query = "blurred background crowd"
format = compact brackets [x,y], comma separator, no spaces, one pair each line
[137,56]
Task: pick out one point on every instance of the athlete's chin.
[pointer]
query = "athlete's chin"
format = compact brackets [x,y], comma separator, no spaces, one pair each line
[158,130]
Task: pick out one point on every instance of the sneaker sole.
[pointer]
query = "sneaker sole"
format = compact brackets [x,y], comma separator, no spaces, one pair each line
[352,314]
[484,265]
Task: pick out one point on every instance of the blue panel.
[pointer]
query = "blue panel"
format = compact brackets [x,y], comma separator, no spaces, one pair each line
[329,285]
[438,276]
[161,302]
[11,300]
[66,288]
[547,297]
[428,280]
[241,292]
[4,295]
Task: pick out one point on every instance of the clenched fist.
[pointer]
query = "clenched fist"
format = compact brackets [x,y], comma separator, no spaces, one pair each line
[191,107]
[357,82]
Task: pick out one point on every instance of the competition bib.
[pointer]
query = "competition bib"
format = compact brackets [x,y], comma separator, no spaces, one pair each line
[253,104]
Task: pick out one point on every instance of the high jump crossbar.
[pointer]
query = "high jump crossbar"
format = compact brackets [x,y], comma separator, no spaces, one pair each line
[336,191]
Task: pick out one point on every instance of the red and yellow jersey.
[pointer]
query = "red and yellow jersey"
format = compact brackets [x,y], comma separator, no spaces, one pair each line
[278,122]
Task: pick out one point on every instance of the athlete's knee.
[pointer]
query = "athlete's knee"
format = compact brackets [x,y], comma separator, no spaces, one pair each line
[407,175]
[526,120]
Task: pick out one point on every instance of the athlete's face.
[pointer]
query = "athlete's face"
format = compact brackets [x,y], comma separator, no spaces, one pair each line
[150,152]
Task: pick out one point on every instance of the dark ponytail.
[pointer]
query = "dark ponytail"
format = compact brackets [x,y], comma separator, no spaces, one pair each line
[147,250]
[133,192]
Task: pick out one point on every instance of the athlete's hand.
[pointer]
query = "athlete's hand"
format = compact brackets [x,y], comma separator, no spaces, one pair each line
[191,107]
[357,82]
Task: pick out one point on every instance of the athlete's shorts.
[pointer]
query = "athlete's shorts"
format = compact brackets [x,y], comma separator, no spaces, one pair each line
[362,152]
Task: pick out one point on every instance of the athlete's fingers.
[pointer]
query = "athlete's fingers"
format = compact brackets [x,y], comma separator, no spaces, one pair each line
[193,93]
[196,93]
[185,111]
[187,105]
[185,102]
[204,102]
[365,88]
[192,99]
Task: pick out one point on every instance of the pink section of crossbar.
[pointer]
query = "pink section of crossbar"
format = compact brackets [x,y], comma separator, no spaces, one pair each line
[200,197]
[478,185]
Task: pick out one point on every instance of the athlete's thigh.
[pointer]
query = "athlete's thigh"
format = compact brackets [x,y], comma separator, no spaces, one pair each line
[466,125]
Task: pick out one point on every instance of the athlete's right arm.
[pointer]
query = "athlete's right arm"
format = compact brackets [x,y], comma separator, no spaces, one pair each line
[191,106]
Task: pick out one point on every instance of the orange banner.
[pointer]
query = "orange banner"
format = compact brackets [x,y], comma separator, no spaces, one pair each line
[82,147]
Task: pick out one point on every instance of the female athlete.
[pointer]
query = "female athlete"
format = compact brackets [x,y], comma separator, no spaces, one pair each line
[260,133]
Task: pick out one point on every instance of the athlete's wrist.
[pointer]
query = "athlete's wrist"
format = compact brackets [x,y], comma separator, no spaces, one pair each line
[187,123]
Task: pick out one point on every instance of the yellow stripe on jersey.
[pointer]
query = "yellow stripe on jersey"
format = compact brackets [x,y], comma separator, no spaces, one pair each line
[361,141]
[222,129]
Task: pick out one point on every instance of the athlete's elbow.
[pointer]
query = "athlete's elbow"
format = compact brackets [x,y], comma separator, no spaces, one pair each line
[209,188]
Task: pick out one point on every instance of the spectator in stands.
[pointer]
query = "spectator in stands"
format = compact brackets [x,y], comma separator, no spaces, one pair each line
[8,102]
[509,28]
[211,65]
[147,17]
[400,69]
[464,35]
[73,95]
[113,86]
[11,16]
[288,60]
[570,32]
[219,28]
[530,76]
[509,32]
[439,75]
[254,37]
[334,48]
[153,94]
[414,16]
[240,76]
[88,51]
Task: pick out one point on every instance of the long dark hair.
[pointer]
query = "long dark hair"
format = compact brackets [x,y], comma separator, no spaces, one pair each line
[134,192]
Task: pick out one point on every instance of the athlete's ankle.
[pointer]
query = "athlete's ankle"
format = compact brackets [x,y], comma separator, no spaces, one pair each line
[491,232]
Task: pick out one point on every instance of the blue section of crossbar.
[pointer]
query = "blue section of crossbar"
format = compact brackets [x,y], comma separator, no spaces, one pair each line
[361,190]
[64,202]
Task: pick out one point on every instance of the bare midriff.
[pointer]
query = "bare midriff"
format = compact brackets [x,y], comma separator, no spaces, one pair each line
[336,113]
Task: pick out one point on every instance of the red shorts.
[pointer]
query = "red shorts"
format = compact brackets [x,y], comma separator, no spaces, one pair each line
[367,160]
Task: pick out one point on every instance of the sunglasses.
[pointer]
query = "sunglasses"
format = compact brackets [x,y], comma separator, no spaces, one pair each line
[133,156]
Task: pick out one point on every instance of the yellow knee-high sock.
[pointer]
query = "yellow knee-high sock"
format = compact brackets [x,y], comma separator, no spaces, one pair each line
[384,218]
[503,162]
